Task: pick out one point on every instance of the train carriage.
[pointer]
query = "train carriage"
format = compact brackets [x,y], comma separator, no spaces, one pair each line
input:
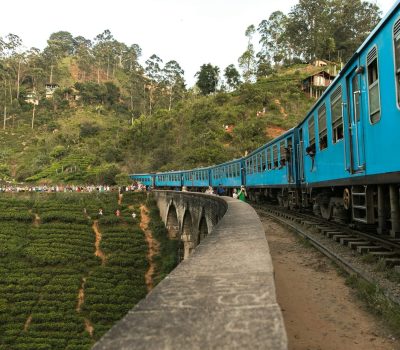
[169,179]
[348,141]
[229,174]
[144,179]
[197,178]
[271,168]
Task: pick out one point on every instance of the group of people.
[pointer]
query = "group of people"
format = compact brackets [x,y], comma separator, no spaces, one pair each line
[117,213]
[136,186]
[241,194]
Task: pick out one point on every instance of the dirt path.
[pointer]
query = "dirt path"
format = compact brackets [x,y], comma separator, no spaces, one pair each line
[98,252]
[27,323]
[81,299]
[281,109]
[319,310]
[81,295]
[153,245]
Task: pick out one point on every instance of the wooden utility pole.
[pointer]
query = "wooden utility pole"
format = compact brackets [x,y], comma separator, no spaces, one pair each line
[5,104]
[33,115]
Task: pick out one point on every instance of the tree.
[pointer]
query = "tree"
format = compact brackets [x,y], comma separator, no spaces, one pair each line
[83,54]
[207,78]
[154,74]
[274,46]
[354,20]
[247,59]
[102,51]
[173,78]
[232,76]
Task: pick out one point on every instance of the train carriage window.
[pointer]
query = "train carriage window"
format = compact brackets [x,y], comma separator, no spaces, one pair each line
[269,160]
[311,133]
[322,130]
[337,114]
[396,42]
[263,160]
[275,155]
[282,146]
[255,164]
[373,86]
[259,163]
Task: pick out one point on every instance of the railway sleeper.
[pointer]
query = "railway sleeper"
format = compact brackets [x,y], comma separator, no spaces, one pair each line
[347,240]
[393,262]
[337,238]
[330,234]
[382,255]
[355,244]
[322,229]
[363,249]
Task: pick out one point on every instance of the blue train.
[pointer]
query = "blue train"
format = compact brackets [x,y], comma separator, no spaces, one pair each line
[341,160]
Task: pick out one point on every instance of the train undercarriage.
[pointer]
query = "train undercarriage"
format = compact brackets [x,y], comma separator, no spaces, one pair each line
[372,207]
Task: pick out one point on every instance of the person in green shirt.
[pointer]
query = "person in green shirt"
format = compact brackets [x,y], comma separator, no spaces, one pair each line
[242,194]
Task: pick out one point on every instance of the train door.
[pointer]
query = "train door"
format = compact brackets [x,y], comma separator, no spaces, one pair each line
[356,117]
[243,171]
[289,159]
[300,155]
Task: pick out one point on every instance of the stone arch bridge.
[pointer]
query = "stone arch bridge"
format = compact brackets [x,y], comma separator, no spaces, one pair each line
[189,217]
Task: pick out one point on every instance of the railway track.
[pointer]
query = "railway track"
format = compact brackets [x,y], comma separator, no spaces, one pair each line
[320,233]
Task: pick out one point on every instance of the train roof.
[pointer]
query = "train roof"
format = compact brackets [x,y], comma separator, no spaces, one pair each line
[371,35]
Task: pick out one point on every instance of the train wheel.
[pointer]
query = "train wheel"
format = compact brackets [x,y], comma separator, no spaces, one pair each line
[346,199]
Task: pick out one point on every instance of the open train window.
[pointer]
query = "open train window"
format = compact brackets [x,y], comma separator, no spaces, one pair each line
[396,43]
[311,133]
[322,130]
[373,86]
[275,155]
[269,159]
[337,114]
[263,160]
[282,146]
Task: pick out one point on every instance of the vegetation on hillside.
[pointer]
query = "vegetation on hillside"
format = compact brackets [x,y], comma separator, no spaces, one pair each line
[55,292]
[109,115]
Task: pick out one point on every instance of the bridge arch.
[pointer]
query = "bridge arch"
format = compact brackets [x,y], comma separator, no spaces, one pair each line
[203,230]
[187,235]
[172,223]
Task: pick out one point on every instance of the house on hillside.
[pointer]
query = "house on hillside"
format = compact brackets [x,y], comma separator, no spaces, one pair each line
[32,98]
[50,88]
[315,84]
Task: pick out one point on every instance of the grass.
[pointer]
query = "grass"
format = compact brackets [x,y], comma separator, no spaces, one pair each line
[377,302]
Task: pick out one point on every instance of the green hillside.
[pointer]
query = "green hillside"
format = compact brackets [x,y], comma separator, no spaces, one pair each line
[92,142]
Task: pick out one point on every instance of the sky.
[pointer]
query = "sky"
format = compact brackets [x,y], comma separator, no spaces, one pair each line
[191,32]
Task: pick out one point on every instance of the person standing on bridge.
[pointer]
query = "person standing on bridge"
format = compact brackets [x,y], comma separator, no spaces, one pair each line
[242,194]
[235,193]
[220,190]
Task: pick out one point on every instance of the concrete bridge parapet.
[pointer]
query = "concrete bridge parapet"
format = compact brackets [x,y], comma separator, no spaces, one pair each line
[221,296]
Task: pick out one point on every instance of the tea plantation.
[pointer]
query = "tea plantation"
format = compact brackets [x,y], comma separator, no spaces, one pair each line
[55,292]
